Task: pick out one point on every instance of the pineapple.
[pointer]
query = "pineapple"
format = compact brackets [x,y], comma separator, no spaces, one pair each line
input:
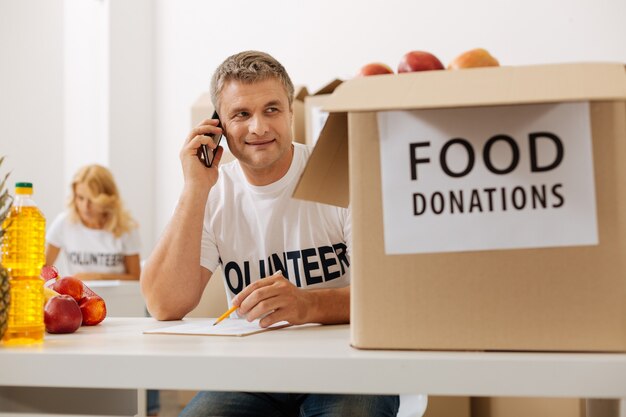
[5,295]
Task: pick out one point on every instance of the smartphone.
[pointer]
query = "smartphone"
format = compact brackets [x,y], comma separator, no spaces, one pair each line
[206,156]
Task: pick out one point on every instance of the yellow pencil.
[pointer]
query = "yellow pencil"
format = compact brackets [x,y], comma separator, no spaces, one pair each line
[228,313]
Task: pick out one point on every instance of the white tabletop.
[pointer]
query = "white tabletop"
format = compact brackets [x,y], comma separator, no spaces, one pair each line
[115,354]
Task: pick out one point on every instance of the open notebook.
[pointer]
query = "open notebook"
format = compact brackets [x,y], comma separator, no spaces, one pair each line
[227,327]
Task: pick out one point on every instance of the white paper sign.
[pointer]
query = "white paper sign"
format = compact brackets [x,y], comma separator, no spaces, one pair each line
[487,178]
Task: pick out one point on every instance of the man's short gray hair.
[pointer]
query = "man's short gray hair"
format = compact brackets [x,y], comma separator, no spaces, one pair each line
[249,67]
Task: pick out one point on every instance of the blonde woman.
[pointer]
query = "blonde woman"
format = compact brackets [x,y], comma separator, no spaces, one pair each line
[98,237]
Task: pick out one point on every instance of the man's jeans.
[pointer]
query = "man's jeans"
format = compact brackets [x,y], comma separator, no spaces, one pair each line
[246,404]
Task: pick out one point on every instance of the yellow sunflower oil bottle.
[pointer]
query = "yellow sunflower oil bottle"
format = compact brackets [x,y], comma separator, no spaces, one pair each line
[23,255]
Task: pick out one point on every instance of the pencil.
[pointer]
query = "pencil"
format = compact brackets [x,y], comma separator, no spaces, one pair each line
[228,313]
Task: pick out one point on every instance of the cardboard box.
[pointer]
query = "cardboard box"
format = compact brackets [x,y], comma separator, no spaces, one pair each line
[314,115]
[445,406]
[502,293]
[526,406]
[298,128]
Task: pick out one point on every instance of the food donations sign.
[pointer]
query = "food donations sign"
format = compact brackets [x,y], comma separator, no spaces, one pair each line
[487,178]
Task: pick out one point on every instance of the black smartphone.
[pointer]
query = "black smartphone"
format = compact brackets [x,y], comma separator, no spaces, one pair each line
[205,156]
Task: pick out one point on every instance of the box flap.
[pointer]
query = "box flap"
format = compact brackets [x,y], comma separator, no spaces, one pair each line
[482,87]
[328,88]
[300,92]
[325,178]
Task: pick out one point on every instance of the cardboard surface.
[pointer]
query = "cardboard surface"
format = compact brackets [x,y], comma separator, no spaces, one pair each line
[553,299]
[314,115]
[481,87]
[298,126]
[525,407]
[327,174]
[445,406]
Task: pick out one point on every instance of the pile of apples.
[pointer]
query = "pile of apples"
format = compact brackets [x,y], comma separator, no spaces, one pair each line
[414,61]
[69,303]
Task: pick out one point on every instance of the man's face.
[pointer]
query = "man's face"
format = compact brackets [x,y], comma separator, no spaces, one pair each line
[257,121]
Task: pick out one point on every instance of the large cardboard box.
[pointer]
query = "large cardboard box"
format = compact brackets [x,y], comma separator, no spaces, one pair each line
[503,269]
[314,115]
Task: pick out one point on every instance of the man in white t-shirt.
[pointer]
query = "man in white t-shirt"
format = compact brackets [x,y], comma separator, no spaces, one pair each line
[283,259]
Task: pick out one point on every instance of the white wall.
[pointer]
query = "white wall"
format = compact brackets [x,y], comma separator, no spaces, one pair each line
[31,98]
[125,95]
[108,98]
[76,83]
[86,80]
[320,40]
[130,109]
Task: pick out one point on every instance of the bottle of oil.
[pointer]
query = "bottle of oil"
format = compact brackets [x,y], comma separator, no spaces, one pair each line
[23,255]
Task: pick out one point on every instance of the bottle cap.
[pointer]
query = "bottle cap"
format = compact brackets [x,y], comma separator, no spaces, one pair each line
[23,187]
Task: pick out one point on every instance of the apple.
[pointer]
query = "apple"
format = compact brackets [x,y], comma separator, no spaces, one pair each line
[93,308]
[419,61]
[374,68]
[61,314]
[474,58]
[69,286]
[49,272]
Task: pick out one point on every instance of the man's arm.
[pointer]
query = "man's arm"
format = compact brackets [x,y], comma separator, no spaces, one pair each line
[172,281]
[330,306]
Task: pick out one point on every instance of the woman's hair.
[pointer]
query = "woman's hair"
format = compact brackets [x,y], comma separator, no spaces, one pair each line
[103,193]
[249,67]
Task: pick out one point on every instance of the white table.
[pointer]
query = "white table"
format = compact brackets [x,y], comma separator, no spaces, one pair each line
[123,298]
[116,355]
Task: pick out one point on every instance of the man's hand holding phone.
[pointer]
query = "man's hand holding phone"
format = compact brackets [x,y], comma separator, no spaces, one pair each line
[198,164]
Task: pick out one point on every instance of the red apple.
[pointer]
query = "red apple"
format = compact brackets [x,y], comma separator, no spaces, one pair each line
[61,314]
[49,272]
[94,310]
[69,286]
[374,68]
[419,61]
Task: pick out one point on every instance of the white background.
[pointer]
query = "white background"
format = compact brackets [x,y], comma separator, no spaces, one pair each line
[112,81]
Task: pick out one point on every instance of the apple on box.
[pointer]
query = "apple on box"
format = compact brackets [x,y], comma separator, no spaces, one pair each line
[414,61]
[374,68]
[474,58]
